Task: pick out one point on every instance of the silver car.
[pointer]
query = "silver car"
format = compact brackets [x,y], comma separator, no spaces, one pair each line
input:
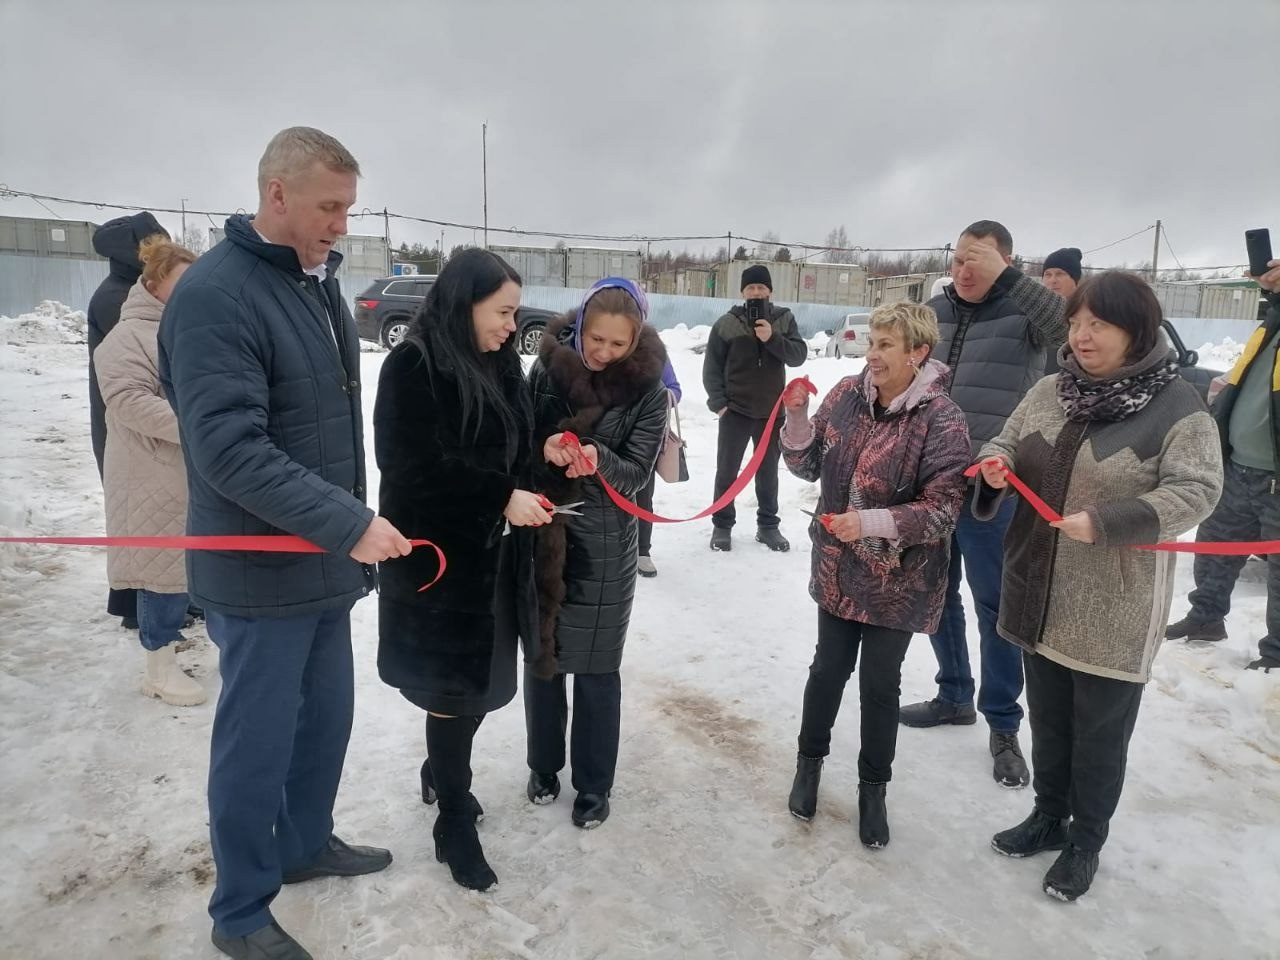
[850,340]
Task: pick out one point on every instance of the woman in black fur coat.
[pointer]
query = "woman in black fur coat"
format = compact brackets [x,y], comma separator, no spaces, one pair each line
[599,375]
[453,433]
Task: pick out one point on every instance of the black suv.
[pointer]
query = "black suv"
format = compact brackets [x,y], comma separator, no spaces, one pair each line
[385,310]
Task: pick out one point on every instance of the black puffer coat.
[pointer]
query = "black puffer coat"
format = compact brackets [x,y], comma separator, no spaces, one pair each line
[586,566]
[439,484]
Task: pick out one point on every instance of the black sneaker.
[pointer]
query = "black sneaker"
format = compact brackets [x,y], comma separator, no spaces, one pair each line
[935,713]
[1010,769]
[1071,874]
[772,538]
[1196,631]
[1037,833]
[721,539]
[267,943]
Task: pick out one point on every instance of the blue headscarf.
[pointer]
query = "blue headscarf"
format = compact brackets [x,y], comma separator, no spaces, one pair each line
[621,283]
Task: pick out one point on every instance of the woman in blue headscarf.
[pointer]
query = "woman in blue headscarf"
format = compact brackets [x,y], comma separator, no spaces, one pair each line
[598,377]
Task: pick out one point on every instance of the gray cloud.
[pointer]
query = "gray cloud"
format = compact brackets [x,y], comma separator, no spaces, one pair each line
[1074,123]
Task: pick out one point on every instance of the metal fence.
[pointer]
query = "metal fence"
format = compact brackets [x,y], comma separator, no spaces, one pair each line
[25,281]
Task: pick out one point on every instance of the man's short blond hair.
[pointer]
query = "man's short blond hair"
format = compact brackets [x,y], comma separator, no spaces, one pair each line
[294,150]
[915,323]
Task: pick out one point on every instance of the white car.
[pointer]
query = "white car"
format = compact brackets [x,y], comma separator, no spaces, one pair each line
[851,339]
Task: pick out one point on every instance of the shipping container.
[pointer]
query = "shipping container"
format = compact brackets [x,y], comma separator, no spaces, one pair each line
[785,278]
[537,266]
[841,284]
[59,239]
[362,256]
[585,265]
[910,287]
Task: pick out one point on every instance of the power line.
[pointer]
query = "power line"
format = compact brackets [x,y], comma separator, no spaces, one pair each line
[7,193]
[1165,233]
[1136,233]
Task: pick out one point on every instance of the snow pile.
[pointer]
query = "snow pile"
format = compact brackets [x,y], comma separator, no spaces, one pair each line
[1220,356]
[50,322]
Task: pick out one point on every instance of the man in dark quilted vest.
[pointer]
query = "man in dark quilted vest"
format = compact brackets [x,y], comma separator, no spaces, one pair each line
[996,325]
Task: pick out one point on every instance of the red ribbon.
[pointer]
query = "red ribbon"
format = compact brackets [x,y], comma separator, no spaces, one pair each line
[571,441]
[1224,549]
[266,544]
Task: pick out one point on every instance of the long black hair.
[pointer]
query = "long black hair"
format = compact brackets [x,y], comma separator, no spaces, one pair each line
[485,379]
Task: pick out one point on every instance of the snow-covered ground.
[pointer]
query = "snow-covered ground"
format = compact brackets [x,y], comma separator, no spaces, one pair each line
[102,811]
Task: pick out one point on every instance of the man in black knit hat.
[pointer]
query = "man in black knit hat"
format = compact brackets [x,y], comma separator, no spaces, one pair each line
[744,371]
[1061,272]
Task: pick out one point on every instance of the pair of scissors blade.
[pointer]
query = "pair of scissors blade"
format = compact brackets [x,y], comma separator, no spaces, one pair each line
[570,508]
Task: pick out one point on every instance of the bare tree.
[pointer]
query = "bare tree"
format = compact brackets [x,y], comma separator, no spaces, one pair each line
[837,246]
[195,240]
[768,245]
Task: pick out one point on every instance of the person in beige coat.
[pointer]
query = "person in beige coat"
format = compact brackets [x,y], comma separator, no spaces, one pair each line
[143,472]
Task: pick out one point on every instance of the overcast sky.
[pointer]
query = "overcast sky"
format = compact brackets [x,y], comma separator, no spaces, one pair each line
[1073,122]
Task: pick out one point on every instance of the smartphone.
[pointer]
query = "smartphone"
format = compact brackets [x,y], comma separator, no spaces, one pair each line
[1258,243]
[759,309]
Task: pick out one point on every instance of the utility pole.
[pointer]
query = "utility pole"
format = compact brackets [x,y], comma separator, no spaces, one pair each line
[1155,253]
[484,169]
[386,234]
[183,240]
[440,254]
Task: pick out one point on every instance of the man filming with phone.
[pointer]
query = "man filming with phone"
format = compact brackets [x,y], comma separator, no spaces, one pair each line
[744,371]
[1247,412]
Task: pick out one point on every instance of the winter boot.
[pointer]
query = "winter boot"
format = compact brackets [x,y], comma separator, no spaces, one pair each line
[449,746]
[165,679]
[590,810]
[1009,769]
[1037,833]
[1196,631]
[803,802]
[721,539]
[772,538]
[645,567]
[542,787]
[935,713]
[1071,874]
[873,816]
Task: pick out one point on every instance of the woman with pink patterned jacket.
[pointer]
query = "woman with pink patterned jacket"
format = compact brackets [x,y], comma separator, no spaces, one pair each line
[889,449]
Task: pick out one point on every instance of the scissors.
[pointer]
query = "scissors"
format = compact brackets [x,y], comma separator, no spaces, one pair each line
[823,518]
[568,508]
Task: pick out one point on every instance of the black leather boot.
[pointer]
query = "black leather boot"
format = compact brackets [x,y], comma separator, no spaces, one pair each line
[873,817]
[449,745]
[803,802]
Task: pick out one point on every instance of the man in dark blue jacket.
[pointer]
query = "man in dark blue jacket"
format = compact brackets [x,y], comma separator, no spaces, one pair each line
[259,357]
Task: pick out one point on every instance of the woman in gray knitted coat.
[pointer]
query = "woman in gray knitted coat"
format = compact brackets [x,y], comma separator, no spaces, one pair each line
[1124,450]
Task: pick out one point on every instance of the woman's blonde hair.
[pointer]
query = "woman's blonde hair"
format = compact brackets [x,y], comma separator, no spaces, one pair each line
[915,323]
[159,256]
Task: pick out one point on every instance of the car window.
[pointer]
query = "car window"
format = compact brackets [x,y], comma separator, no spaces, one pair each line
[400,288]
[421,287]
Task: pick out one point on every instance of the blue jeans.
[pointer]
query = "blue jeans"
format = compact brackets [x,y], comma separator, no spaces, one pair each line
[980,545]
[160,617]
[279,741]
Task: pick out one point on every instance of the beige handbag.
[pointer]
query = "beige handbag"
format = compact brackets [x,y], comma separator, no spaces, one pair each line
[672,466]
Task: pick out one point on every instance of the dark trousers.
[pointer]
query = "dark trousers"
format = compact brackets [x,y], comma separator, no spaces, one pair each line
[879,686]
[1080,730]
[731,444]
[279,741]
[1248,510]
[645,499]
[597,717]
[977,554]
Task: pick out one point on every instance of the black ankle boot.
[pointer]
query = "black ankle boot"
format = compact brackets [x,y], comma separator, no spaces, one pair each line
[873,817]
[803,802]
[449,745]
